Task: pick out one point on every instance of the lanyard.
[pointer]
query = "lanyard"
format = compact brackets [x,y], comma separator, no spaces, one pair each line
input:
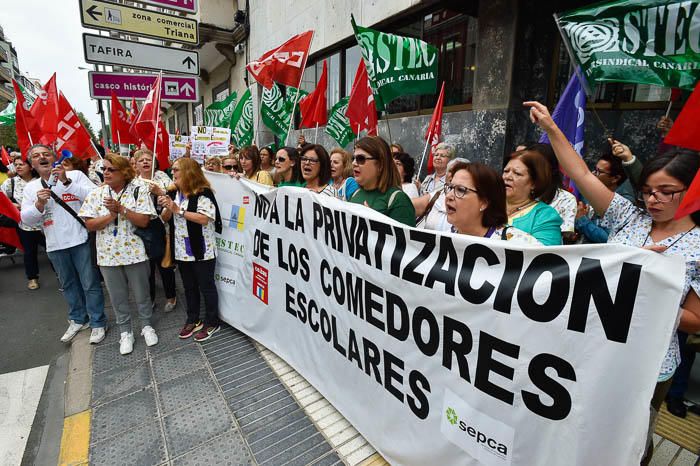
[119,198]
[669,246]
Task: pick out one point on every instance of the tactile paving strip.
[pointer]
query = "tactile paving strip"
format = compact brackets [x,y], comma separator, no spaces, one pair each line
[142,446]
[226,450]
[107,356]
[117,416]
[183,391]
[177,363]
[119,381]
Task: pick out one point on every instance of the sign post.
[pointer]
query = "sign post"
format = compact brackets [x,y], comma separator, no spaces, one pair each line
[137,86]
[188,6]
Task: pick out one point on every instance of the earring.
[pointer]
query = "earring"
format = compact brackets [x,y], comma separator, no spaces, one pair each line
[481,209]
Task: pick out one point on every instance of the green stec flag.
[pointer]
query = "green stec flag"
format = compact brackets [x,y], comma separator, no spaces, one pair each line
[636,41]
[291,93]
[274,113]
[219,113]
[242,121]
[396,65]
[338,126]
[7,115]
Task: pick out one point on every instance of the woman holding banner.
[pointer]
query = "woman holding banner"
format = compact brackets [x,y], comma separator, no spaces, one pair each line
[316,169]
[341,174]
[475,200]
[194,217]
[379,180]
[249,159]
[288,167]
[664,182]
[213,164]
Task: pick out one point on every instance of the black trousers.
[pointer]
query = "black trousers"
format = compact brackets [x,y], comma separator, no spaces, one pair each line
[167,275]
[198,277]
[31,240]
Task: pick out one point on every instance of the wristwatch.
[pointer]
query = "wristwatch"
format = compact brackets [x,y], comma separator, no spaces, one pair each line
[181,212]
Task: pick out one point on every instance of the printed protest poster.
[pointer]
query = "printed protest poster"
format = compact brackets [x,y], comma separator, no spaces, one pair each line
[208,141]
[177,146]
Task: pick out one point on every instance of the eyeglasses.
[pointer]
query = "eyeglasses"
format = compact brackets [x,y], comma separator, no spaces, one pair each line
[460,191]
[660,196]
[598,172]
[307,159]
[229,167]
[360,159]
[109,170]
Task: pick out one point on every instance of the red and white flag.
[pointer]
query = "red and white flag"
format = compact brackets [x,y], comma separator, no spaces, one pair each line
[45,111]
[150,129]
[5,157]
[284,64]
[434,132]
[120,124]
[362,111]
[8,234]
[314,107]
[132,119]
[71,134]
[27,128]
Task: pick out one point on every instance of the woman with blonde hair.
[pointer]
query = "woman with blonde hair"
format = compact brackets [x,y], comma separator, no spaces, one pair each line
[250,162]
[213,164]
[194,217]
[341,173]
[114,211]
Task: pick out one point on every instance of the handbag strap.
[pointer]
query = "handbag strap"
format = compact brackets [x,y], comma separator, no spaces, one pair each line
[65,206]
[430,206]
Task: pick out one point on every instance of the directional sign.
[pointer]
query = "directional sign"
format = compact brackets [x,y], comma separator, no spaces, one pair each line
[113,17]
[107,51]
[128,85]
[188,6]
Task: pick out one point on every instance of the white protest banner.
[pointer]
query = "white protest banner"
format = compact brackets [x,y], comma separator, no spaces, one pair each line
[450,349]
[209,141]
[177,146]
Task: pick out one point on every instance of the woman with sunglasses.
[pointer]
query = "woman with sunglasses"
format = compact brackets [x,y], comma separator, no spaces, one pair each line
[663,182]
[380,184]
[475,200]
[288,167]
[316,169]
[341,174]
[249,158]
[230,166]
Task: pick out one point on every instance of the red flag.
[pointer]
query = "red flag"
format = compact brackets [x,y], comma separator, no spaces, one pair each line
[5,156]
[362,112]
[284,64]
[146,123]
[691,200]
[132,119]
[120,124]
[434,132]
[45,111]
[72,135]
[314,107]
[27,129]
[685,130]
[163,152]
[8,233]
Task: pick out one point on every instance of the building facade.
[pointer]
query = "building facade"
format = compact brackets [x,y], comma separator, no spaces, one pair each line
[9,70]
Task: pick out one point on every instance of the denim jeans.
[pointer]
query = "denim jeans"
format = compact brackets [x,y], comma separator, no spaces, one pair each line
[81,284]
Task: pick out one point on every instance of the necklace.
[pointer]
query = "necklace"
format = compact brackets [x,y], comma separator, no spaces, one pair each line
[518,209]
[669,246]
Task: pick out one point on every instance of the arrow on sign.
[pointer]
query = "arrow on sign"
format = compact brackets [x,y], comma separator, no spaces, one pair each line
[93,13]
[189,62]
[187,89]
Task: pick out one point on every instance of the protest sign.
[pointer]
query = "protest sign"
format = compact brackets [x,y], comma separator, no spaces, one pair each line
[177,146]
[450,349]
[208,141]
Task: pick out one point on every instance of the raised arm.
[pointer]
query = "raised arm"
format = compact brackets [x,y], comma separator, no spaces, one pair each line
[590,186]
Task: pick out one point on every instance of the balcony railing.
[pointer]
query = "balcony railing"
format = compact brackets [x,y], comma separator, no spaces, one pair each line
[6,93]
[5,75]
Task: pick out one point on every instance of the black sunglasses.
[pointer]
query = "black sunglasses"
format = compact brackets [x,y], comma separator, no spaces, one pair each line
[360,159]
[229,167]
[281,159]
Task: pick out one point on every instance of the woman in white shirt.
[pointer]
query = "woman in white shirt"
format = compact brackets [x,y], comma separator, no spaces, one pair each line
[316,169]
[114,211]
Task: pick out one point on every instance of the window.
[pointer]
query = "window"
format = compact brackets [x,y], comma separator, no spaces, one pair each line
[199,114]
[220,92]
[183,121]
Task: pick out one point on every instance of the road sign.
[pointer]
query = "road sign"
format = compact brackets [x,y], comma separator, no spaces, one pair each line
[128,85]
[188,6]
[107,51]
[114,17]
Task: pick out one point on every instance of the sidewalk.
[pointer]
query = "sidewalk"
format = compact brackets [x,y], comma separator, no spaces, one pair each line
[227,401]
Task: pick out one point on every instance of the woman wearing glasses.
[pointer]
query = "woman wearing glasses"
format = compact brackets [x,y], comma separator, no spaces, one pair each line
[316,169]
[663,183]
[475,200]
[230,166]
[379,180]
[249,158]
[288,167]
[213,164]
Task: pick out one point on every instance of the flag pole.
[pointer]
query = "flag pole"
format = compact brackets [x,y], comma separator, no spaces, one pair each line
[670,104]
[157,127]
[316,134]
[422,159]
[95,147]
[296,97]
[388,128]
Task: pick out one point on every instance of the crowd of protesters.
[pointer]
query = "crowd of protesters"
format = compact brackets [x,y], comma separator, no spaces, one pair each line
[622,201]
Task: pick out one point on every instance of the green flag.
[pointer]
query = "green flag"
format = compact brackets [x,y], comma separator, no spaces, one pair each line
[274,113]
[396,65]
[242,121]
[291,95]
[219,113]
[635,41]
[338,126]
[7,115]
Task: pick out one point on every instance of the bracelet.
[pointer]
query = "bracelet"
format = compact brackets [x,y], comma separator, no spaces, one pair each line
[630,161]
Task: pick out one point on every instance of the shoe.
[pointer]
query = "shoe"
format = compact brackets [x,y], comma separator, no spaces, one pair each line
[206,333]
[126,343]
[73,329]
[676,407]
[189,329]
[149,335]
[33,284]
[97,335]
[170,306]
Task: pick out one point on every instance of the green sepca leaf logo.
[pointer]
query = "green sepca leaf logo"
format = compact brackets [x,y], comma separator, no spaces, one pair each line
[451,416]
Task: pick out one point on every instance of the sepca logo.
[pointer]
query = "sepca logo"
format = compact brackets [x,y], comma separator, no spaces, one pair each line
[480,437]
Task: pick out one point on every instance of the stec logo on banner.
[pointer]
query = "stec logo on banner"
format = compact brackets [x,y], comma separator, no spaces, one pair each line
[481,436]
[260,278]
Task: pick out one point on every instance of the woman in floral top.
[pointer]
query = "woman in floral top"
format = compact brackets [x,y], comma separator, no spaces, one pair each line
[475,200]
[194,218]
[664,182]
[114,211]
